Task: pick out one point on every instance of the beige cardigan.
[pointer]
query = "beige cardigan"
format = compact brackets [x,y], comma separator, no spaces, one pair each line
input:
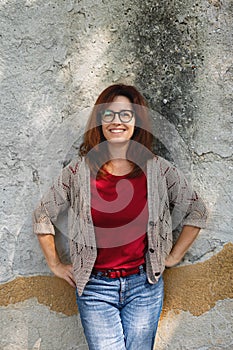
[171,201]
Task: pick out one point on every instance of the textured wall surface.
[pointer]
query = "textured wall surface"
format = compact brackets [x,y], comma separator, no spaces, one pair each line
[55,58]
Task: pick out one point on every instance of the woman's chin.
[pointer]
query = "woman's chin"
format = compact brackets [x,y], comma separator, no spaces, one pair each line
[120,140]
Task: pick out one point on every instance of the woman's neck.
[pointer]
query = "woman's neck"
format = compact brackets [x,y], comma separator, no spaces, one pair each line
[118,163]
[118,167]
[117,150]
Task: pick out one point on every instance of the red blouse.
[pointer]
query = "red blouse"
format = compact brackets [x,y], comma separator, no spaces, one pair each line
[120,215]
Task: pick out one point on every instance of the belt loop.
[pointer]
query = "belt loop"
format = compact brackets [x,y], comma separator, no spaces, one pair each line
[141,269]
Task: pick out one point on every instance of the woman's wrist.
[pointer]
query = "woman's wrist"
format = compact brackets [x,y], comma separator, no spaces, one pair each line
[172,259]
[185,240]
[53,264]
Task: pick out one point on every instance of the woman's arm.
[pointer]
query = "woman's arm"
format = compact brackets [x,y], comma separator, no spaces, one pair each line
[55,201]
[186,206]
[185,240]
[187,209]
[61,270]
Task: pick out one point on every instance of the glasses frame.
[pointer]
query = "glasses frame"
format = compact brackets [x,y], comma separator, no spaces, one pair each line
[119,116]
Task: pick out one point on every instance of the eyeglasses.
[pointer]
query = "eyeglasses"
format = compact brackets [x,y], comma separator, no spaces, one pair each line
[125,115]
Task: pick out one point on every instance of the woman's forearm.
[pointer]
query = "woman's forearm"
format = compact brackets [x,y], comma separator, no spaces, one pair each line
[47,244]
[185,240]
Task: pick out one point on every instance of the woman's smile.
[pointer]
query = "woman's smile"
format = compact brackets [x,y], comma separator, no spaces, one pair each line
[114,130]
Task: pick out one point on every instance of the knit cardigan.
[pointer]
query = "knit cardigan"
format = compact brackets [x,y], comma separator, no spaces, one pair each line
[171,202]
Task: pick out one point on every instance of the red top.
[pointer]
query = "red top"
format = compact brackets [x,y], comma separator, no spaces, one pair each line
[120,215]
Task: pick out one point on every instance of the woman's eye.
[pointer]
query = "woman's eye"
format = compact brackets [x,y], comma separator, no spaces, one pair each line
[125,114]
[108,114]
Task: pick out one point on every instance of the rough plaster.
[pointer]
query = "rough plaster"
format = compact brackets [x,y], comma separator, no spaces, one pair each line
[56,56]
[210,331]
[29,325]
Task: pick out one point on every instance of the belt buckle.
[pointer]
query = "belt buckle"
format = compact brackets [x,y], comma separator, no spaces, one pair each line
[114,274]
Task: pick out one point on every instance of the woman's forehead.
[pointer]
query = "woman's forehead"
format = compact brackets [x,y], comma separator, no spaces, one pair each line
[120,102]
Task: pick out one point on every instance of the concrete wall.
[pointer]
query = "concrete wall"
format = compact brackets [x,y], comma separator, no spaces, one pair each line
[55,58]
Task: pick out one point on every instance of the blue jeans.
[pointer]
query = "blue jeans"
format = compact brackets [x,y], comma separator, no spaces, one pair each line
[121,313]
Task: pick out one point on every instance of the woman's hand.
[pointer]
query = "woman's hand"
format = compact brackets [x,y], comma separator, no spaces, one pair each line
[171,260]
[65,272]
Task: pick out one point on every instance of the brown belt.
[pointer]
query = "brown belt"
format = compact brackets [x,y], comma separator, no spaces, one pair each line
[118,273]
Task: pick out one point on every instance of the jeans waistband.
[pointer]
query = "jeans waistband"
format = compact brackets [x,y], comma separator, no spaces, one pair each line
[113,273]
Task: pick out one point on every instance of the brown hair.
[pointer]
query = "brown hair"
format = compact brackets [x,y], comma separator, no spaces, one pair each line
[93,146]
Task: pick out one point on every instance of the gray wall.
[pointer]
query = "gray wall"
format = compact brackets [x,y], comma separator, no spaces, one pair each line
[55,58]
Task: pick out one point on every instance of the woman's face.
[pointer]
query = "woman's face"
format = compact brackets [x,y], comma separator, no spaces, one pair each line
[118,131]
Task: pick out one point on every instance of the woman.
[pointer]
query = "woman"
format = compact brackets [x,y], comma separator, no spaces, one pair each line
[121,200]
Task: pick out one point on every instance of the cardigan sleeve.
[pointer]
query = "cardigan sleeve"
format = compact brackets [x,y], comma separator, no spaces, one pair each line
[186,206]
[54,201]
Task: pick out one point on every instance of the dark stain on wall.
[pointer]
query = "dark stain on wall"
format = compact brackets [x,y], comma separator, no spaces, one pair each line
[166,37]
[168,43]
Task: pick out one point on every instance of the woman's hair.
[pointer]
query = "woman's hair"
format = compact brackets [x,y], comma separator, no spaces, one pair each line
[95,150]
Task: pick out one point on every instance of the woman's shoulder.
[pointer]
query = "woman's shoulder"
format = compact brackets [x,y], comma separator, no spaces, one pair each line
[163,168]
[74,164]
[162,162]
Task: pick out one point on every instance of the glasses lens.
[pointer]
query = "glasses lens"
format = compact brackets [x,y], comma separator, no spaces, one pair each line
[107,116]
[126,116]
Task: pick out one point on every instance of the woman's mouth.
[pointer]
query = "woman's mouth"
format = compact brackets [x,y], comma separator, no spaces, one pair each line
[116,131]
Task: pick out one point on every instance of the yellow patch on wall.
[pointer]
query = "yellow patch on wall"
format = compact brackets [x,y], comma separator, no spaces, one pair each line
[194,288]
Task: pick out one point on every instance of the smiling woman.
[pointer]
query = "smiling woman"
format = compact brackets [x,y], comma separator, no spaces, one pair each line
[120,116]
[120,198]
